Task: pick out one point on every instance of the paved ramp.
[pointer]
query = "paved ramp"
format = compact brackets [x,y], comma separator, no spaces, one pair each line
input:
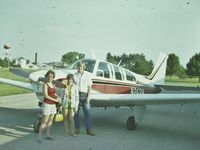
[164,127]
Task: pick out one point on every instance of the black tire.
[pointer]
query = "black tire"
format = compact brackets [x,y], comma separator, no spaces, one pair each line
[37,125]
[131,124]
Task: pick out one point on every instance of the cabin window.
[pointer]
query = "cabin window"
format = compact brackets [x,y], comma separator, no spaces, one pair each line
[103,70]
[129,76]
[100,73]
[118,74]
[89,64]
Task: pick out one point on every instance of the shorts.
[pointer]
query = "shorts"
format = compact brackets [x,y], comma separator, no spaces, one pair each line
[68,105]
[49,109]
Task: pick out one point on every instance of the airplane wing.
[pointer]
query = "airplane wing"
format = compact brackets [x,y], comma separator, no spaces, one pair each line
[58,83]
[35,77]
[17,83]
[20,84]
[116,100]
[20,72]
[29,86]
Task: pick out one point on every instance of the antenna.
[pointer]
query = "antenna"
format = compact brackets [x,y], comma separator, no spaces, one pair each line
[93,54]
[119,62]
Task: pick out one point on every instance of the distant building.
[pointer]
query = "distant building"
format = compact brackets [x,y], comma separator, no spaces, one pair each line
[45,66]
[23,64]
[56,65]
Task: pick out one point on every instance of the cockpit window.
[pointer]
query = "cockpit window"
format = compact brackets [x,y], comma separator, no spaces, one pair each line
[129,76]
[118,74]
[89,64]
[103,70]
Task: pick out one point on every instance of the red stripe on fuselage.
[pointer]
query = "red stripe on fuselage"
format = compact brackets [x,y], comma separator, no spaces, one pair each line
[111,87]
[114,87]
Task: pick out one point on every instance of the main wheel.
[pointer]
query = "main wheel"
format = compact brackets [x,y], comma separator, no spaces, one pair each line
[37,125]
[131,124]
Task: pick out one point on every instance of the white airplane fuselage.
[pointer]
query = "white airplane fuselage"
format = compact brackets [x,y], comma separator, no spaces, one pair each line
[107,78]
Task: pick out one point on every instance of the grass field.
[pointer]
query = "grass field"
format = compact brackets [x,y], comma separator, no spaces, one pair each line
[11,90]
[8,89]
[184,82]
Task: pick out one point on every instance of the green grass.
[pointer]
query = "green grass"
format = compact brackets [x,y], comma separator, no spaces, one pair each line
[11,90]
[184,82]
[8,89]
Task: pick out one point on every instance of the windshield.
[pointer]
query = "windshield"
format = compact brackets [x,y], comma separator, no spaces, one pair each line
[89,64]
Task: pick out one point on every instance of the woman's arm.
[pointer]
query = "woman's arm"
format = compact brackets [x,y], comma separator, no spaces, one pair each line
[45,89]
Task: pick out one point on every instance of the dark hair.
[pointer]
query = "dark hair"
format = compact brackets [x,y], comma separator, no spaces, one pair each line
[80,64]
[70,76]
[50,72]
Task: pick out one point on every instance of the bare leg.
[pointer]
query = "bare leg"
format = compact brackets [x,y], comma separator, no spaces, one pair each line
[43,126]
[65,115]
[49,125]
[71,121]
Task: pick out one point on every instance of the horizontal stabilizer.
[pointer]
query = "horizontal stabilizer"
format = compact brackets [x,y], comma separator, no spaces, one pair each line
[178,88]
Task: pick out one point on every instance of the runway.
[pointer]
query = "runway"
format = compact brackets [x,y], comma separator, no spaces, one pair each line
[169,127]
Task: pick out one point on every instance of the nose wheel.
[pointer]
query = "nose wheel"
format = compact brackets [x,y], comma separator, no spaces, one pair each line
[130,123]
[37,123]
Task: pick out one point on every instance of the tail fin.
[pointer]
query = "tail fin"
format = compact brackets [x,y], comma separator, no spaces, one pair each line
[158,73]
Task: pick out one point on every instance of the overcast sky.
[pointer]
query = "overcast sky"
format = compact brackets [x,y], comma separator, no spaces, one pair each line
[54,27]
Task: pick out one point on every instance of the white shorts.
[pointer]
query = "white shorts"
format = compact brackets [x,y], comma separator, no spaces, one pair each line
[48,109]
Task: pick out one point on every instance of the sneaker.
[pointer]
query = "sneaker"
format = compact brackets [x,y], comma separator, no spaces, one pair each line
[90,132]
[72,134]
[66,134]
[39,140]
[77,131]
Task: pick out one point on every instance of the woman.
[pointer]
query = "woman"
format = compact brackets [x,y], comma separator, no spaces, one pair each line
[70,102]
[49,106]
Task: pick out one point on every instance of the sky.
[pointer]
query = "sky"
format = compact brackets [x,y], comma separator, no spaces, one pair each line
[53,28]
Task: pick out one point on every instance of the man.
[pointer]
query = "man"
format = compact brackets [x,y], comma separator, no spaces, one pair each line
[84,81]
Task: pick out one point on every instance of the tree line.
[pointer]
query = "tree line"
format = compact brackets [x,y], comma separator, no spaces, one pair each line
[137,63]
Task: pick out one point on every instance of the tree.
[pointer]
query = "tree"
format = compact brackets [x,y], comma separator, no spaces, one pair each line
[141,65]
[4,62]
[110,58]
[1,62]
[173,65]
[181,72]
[193,67]
[71,57]
[132,62]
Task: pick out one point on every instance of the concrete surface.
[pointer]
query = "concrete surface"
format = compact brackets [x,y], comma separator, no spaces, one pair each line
[169,127]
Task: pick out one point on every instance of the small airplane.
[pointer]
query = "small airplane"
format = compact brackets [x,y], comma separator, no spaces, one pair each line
[115,86]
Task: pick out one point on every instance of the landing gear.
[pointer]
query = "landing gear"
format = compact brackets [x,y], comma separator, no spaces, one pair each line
[37,122]
[130,123]
[37,125]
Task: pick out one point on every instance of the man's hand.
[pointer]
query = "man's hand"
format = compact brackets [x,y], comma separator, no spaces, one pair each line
[88,99]
[59,100]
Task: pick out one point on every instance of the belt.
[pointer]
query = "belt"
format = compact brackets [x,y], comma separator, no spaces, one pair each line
[83,92]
